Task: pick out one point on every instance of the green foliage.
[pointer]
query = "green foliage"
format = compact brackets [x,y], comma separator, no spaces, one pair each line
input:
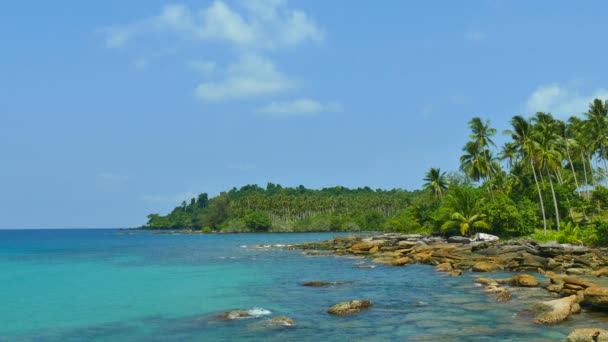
[257,221]
[569,233]
[506,218]
[206,229]
[600,196]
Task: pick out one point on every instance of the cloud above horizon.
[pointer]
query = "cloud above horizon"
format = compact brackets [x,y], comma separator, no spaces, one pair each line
[252,76]
[562,101]
[299,107]
[267,24]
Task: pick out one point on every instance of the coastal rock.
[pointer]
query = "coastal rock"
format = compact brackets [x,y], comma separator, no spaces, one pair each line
[587,335]
[524,280]
[455,273]
[504,296]
[577,281]
[282,320]
[459,239]
[373,250]
[486,237]
[400,261]
[602,272]
[362,246]
[596,296]
[554,249]
[577,271]
[317,283]
[234,314]
[444,267]
[350,307]
[486,281]
[483,266]
[555,311]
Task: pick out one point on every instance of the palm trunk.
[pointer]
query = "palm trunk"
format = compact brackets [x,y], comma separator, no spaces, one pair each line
[573,173]
[554,198]
[585,171]
[540,197]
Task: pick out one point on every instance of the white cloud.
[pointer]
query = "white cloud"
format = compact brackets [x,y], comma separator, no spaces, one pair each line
[259,25]
[562,101]
[475,36]
[202,66]
[252,76]
[299,107]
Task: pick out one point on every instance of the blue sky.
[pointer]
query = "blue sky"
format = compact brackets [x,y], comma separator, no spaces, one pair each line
[111,110]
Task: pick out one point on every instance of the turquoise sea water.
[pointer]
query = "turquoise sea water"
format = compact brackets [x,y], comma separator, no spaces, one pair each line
[77,285]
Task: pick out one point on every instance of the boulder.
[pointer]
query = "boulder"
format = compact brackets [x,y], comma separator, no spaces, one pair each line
[596,296]
[350,307]
[524,280]
[445,267]
[587,335]
[577,281]
[602,272]
[455,273]
[400,261]
[234,314]
[362,246]
[504,296]
[483,266]
[555,311]
[459,239]
[487,281]
[486,237]
[317,283]
[282,320]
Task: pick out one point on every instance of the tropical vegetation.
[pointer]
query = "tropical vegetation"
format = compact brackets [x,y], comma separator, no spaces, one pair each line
[548,180]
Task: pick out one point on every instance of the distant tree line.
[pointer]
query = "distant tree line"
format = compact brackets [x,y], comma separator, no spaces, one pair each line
[548,181]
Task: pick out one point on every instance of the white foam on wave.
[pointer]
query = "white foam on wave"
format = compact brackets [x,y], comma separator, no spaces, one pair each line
[244,246]
[257,312]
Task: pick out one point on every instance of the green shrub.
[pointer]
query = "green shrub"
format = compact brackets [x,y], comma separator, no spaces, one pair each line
[257,221]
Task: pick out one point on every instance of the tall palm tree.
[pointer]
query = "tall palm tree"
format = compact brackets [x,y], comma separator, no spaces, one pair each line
[526,148]
[477,161]
[597,129]
[549,158]
[466,222]
[436,181]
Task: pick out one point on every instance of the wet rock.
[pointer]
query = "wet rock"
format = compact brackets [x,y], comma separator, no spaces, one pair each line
[400,261]
[455,273]
[554,249]
[459,239]
[362,246]
[524,280]
[587,335]
[504,296]
[350,307]
[554,311]
[444,267]
[577,271]
[577,281]
[317,283]
[596,296]
[483,266]
[234,314]
[373,250]
[282,320]
[486,281]
[602,272]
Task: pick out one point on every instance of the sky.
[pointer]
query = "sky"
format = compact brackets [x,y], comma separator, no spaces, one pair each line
[111,110]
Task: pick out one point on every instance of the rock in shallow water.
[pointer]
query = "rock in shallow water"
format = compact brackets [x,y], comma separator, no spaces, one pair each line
[282,320]
[350,307]
[524,280]
[555,311]
[596,296]
[587,335]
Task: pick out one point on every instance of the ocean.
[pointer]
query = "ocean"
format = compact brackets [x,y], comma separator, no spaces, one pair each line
[111,285]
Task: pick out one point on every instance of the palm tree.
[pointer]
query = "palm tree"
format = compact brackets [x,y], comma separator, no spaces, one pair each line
[549,158]
[436,181]
[521,134]
[466,222]
[596,127]
[477,161]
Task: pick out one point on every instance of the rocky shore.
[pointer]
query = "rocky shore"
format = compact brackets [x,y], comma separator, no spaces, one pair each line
[570,273]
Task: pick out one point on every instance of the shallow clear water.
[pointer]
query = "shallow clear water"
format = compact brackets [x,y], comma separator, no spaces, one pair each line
[74,285]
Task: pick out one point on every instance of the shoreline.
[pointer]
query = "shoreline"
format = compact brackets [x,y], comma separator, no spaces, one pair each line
[571,275]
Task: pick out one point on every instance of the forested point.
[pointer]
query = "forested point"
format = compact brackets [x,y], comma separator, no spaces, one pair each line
[547,182]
